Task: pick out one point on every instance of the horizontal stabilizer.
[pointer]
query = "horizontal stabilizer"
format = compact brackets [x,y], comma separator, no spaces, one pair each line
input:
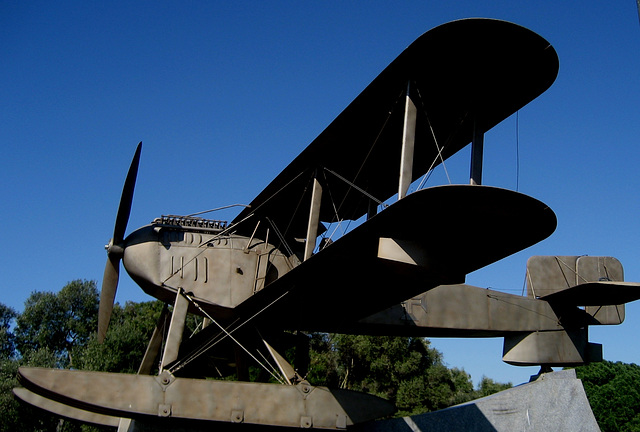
[596,294]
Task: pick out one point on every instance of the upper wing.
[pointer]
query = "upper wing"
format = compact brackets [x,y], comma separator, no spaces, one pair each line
[474,71]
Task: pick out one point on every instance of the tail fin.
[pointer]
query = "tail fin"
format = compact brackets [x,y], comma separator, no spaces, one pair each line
[582,291]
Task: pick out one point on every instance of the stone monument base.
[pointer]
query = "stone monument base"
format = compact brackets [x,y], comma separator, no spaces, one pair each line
[555,401]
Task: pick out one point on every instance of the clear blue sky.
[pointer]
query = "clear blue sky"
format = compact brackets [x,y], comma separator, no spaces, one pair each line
[225,94]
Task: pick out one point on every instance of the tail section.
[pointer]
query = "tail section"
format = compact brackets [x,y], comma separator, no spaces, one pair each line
[582,291]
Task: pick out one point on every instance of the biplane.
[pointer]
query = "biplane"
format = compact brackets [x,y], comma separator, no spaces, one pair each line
[276,270]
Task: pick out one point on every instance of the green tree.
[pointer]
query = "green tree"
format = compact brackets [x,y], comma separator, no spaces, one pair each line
[60,322]
[15,416]
[463,385]
[129,332]
[51,327]
[404,370]
[7,343]
[613,390]
[488,387]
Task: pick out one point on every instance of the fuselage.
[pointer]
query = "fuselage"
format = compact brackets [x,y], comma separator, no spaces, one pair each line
[218,268]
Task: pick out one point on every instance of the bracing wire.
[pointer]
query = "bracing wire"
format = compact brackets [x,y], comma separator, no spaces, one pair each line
[435,140]
[373,144]
[229,335]
[215,340]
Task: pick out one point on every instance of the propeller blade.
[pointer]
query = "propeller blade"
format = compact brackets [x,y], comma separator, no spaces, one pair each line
[115,248]
[124,209]
[107,295]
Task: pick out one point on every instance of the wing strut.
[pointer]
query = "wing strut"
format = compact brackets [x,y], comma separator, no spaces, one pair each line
[314,218]
[408,140]
[176,328]
[477,146]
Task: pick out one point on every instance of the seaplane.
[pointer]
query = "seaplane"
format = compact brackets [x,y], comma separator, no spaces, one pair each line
[276,271]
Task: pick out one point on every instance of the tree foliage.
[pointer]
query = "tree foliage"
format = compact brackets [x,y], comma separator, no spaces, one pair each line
[60,322]
[488,387]
[59,330]
[7,339]
[613,390]
[130,328]
[15,416]
[404,370]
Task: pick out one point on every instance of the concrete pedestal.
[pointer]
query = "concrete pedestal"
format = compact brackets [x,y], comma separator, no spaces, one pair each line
[556,401]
